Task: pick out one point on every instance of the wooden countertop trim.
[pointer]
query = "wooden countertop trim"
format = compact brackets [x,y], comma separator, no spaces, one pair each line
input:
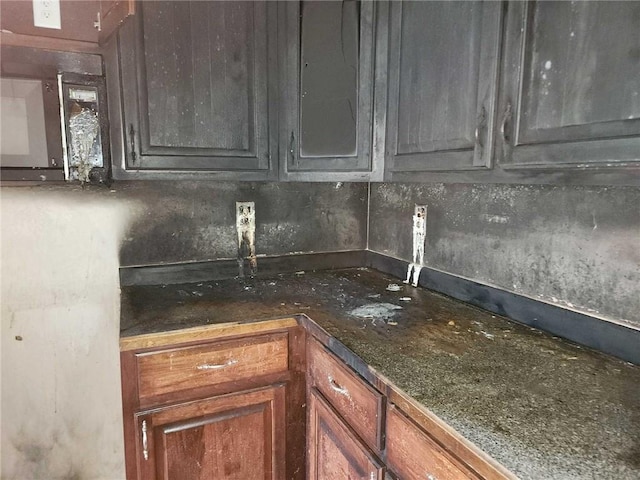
[208,332]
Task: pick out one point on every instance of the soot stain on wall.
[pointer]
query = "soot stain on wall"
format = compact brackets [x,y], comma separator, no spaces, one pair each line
[195,221]
[40,459]
[578,247]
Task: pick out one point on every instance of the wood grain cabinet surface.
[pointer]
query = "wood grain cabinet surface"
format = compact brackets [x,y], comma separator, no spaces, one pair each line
[353,423]
[226,406]
[442,83]
[412,453]
[351,397]
[277,403]
[230,437]
[334,452]
[570,94]
[198,81]
[439,91]
[327,75]
[185,368]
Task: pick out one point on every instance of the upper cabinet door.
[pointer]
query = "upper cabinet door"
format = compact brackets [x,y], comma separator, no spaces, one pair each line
[326,90]
[195,86]
[571,85]
[443,63]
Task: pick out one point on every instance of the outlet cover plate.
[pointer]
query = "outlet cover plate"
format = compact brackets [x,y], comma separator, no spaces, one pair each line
[46,14]
[246,216]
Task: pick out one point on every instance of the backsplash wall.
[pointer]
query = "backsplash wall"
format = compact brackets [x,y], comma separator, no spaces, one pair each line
[577,247]
[195,221]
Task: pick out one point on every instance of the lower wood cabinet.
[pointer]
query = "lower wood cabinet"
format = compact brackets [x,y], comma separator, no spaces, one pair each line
[352,398]
[355,430]
[274,400]
[411,453]
[229,437]
[221,403]
[334,452]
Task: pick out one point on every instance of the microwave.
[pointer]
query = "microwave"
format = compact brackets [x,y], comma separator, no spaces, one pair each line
[53,125]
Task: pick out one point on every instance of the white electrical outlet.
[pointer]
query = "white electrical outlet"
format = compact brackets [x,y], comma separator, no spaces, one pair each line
[246,216]
[419,234]
[46,14]
[246,227]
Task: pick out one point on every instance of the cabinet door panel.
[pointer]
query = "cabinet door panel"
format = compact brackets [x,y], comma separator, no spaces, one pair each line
[437,91]
[188,98]
[413,454]
[232,437]
[204,449]
[442,83]
[334,452]
[201,74]
[571,89]
[326,60]
[329,79]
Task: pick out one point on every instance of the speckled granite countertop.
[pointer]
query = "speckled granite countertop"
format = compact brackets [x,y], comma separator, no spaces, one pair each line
[544,408]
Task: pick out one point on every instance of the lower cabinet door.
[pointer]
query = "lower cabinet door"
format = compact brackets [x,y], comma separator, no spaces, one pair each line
[334,452]
[229,437]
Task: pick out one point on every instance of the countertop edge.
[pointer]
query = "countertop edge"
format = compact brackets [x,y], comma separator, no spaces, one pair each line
[204,333]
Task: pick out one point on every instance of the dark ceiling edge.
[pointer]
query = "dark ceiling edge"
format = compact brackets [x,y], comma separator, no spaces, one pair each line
[608,337]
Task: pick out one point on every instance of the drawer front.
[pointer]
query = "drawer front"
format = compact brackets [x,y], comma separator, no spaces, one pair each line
[333,451]
[411,453]
[202,365]
[358,403]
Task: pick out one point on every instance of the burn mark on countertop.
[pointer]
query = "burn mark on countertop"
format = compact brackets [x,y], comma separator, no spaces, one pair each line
[543,407]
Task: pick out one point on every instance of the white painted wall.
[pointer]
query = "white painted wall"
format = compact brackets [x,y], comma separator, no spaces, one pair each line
[61,402]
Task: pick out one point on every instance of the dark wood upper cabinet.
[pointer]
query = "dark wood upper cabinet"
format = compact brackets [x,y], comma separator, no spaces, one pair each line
[196,80]
[438,91]
[570,94]
[326,67]
[442,82]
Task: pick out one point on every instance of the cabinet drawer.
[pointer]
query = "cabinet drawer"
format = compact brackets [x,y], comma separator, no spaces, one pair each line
[411,453]
[333,451]
[358,403]
[172,370]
